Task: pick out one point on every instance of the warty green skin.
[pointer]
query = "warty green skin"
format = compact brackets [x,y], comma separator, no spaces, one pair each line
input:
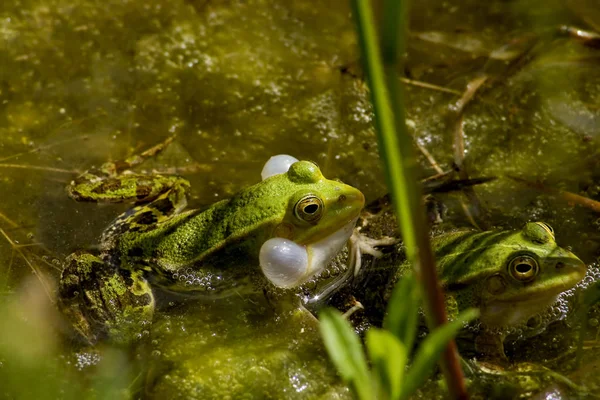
[211,252]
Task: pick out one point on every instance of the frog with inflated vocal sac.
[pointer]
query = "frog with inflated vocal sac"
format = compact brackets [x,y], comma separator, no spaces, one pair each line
[291,225]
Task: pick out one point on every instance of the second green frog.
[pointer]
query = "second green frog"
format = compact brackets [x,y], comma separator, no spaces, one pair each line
[513,277]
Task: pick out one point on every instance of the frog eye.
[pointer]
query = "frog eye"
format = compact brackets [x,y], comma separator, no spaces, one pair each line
[538,232]
[309,208]
[547,227]
[314,163]
[523,268]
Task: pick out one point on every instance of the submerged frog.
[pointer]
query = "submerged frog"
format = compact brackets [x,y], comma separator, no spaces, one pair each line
[291,224]
[513,277]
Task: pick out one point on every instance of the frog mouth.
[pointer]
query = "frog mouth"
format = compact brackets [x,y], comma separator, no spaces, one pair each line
[511,313]
[322,252]
[512,309]
[348,212]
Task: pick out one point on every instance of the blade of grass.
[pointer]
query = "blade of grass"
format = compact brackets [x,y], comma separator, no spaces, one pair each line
[429,352]
[396,149]
[345,350]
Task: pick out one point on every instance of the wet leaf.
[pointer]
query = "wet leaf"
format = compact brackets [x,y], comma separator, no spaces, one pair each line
[402,315]
[388,356]
[345,350]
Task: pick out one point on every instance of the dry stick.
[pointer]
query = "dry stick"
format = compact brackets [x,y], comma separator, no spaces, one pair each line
[411,82]
[469,93]
[8,220]
[17,248]
[459,148]
[429,158]
[40,148]
[588,38]
[39,168]
[568,196]
[431,86]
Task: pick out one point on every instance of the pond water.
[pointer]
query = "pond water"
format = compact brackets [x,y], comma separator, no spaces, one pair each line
[87,81]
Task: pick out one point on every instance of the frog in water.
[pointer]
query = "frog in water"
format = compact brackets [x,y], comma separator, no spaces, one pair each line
[513,277]
[291,224]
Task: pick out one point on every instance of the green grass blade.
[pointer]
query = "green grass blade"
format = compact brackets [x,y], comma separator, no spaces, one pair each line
[345,350]
[388,356]
[430,350]
[403,311]
[396,149]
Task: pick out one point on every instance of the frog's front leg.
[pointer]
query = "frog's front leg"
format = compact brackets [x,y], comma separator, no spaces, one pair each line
[103,302]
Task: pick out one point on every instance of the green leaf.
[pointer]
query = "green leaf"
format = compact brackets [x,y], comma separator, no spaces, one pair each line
[345,350]
[388,356]
[403,310]
[430,350]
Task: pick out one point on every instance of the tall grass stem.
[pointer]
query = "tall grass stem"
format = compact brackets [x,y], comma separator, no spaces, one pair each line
[396,150]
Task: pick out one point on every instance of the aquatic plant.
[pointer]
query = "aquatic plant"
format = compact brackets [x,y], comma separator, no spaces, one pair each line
[392,375]
[396,150]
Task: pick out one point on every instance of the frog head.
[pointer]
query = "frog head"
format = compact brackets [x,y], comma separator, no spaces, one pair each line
[512,276]
[315,220]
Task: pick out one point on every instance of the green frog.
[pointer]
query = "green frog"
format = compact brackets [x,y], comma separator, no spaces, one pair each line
[291,224]
[513,277]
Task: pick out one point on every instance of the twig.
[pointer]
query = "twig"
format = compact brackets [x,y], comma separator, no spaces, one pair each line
[568,196]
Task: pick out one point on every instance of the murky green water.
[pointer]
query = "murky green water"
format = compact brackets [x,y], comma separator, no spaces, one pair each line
[82,82]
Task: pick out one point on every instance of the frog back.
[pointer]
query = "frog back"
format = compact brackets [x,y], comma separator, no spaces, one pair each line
[239,223]
[465,256]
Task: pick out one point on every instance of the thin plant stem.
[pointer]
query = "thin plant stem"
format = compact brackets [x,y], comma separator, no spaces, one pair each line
[396,150]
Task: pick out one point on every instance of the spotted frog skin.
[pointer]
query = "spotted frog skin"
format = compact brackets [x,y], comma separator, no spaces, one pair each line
[291,224]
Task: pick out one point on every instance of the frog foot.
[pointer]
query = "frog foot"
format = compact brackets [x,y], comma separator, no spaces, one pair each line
[360,244]
[102,302]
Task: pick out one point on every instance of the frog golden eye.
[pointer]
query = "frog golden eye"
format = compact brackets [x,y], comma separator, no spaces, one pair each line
[538,232]
[547,227]
[309,208]
[523,268]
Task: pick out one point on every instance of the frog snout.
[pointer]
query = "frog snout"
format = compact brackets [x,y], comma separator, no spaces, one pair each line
[570,265]
[355,198]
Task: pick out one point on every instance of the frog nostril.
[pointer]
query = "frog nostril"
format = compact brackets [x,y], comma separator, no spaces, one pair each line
[342,197]
[560,265]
